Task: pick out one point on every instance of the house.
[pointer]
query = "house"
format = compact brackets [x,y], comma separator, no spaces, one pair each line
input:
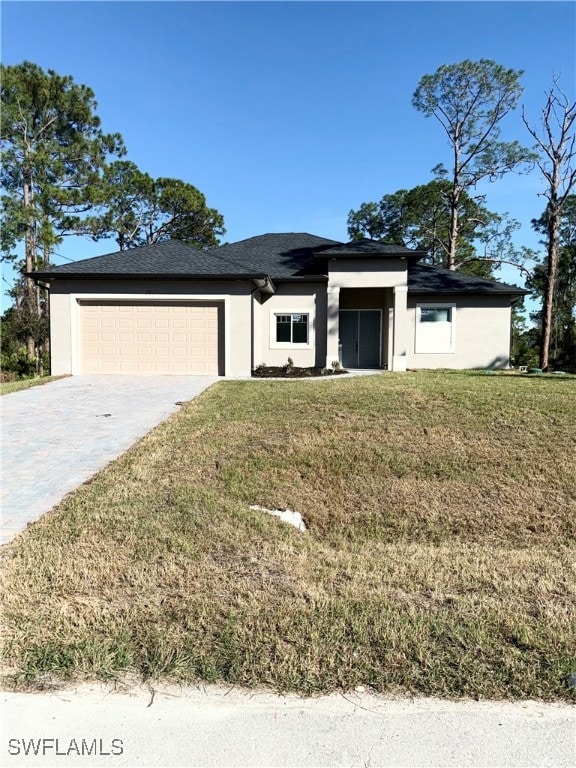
[169,308]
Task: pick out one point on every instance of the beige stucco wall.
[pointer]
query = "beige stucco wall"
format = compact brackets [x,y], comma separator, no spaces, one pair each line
[292,298]
[60,334]
[482,323]
[482,332]
[367,273]
[65,315]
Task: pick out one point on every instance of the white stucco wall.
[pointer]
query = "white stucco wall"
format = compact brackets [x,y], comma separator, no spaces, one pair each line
[291,298]
[236,336]
[481,332]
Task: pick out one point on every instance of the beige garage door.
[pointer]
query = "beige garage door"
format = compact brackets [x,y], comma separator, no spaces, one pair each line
[149,337]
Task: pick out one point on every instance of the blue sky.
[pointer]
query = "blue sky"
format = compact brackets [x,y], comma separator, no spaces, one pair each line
[288,114]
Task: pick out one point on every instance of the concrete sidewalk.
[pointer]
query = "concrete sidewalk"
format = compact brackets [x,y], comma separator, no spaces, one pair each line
[227,727]
[57,435]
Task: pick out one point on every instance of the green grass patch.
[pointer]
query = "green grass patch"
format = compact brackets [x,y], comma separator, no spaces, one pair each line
[7,387]
[439,557]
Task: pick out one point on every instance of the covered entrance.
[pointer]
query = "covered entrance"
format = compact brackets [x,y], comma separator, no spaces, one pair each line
[360,338]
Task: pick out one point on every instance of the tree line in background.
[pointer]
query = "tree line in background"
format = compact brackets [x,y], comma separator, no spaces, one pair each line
[62,175]
[451,223]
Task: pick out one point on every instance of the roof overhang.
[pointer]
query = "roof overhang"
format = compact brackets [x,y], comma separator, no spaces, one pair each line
[369,249]
[302,279]
[463,292]
[408,255]
[43,276]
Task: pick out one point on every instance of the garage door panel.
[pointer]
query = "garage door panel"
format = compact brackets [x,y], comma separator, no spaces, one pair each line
[148,337]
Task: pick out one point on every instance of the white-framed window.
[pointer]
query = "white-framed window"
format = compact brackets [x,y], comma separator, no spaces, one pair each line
[435,328]
[290,329]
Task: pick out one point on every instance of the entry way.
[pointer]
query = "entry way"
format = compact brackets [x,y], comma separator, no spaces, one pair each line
[360,337]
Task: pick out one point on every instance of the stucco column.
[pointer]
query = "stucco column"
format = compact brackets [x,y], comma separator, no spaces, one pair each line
[400,327]
[332,316]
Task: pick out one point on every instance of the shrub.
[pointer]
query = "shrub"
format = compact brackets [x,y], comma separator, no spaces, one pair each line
[17,363]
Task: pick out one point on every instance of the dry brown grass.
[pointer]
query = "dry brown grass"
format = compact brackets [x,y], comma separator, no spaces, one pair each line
[439,558]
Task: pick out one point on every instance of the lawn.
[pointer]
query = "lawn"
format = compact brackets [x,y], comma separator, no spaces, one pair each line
[439,557]
[7,387]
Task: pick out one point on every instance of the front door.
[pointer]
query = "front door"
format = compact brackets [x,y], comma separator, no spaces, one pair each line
[360,338]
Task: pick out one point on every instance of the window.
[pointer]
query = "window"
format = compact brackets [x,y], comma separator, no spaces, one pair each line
[435,328]
[292,326]
[435,314]
[292,329]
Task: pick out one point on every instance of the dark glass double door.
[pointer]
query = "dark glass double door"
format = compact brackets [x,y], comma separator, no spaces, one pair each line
[360,338]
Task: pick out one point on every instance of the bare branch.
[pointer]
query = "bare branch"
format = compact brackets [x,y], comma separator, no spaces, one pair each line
[526,271]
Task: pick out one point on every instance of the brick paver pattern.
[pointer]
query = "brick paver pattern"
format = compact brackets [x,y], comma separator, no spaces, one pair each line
[57,435]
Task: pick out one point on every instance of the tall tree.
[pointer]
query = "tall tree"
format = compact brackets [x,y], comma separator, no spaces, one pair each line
[556,143]
[138,210]
[53,152]
[469,100]
[421,218]
[562,351]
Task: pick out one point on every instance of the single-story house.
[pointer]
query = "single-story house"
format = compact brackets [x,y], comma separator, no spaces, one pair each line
[169,308]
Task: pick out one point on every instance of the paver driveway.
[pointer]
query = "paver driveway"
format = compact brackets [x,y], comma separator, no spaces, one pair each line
[56,436]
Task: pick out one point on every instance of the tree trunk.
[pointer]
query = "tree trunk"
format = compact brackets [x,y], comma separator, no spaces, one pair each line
[551,275]
[38,341]
[44,312]
[451,263]
[454,201]
[30,299]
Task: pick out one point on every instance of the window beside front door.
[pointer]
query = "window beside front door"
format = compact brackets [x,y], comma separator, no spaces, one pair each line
[435,328]
[290,330]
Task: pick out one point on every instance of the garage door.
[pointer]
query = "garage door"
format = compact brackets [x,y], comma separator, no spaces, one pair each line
[149,337]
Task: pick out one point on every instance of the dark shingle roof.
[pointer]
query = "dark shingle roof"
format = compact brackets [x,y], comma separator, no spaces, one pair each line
[286,254]
[276,255]
[171,257]
[371,248]
[424,278]
[279,256]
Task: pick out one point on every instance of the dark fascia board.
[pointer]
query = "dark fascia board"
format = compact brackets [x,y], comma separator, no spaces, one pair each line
[42,276]
[408,255]
[142,275]
[301,279]
[509,290]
